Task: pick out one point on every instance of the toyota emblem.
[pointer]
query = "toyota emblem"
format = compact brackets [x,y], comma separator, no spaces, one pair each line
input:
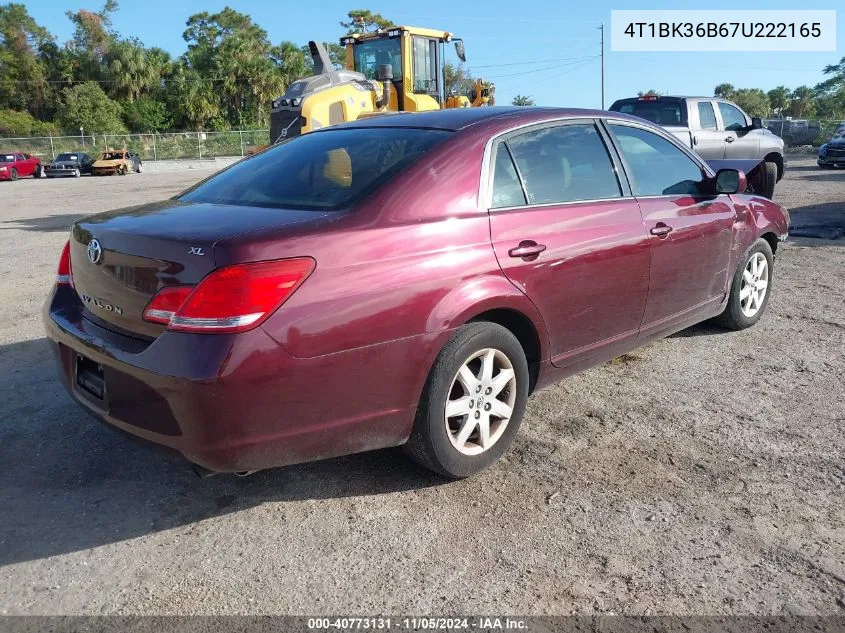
[95,251]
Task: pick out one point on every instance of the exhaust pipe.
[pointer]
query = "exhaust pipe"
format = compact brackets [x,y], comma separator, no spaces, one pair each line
[385,76]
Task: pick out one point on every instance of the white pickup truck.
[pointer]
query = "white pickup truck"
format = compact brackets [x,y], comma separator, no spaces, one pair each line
[718,131]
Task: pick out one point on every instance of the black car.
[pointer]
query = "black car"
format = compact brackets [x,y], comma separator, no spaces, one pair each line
[832,153]
[69,164]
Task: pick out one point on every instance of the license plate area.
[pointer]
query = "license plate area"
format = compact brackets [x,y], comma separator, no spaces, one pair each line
[89,377]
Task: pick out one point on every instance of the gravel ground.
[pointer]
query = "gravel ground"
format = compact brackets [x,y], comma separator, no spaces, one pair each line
[702,474]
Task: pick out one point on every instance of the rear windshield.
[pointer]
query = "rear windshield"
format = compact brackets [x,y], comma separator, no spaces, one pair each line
[660,111]
[67,157]
[323,170]
[7,158]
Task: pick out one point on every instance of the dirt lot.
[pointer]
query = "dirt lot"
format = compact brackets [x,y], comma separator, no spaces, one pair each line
[702,474]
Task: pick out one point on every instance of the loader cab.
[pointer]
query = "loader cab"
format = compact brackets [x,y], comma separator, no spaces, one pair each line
[416,56]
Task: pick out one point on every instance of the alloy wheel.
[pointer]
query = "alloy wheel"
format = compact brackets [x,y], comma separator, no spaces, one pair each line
[755,284]
[480,401]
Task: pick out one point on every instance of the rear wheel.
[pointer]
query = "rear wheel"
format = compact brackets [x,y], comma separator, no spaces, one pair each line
[473,402]
[13,175]
[750,288]
[76,173]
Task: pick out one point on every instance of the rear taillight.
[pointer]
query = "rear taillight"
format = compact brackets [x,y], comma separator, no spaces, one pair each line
[63,273]
[164,304]
[230,299]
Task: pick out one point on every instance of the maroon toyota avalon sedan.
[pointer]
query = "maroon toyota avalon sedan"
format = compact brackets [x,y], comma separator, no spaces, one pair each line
[405,280]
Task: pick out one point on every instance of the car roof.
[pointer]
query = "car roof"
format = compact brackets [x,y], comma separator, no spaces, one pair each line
[455,119]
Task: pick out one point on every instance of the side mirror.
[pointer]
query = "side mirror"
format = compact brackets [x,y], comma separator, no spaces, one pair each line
[756,123]
[731,181]
[460,51]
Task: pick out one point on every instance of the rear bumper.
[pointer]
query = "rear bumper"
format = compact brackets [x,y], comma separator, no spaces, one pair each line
[240,402]
[831,160]
[56,173]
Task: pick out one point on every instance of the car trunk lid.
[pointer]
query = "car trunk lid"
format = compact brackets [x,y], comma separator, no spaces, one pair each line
[120,259]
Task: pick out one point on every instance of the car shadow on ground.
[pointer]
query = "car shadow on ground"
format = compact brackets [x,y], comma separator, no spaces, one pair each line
[70,483]
[47,224]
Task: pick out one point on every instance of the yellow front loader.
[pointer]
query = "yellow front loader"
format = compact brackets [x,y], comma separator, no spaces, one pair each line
[393,70]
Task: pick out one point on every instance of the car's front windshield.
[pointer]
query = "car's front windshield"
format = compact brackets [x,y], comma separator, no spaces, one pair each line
[68,157]
[112,156]
[7,158]
[370,55]
[322,171]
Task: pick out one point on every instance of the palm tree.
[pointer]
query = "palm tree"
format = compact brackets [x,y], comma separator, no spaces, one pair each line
[802,101]
[131,70]
[725,91]
[522,100]
[780,98]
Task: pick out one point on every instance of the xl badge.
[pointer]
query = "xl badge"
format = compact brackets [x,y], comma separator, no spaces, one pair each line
[95,251]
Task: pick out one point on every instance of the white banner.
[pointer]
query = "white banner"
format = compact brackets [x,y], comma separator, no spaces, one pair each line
[718,30]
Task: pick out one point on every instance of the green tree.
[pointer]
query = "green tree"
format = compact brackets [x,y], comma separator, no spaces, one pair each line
[521,100]
[830,93]
[648,93]
[147,114]
[130,70]
[724,91]
[780,99]
[86,105]
[363,20]
[802,102]
[458,79]
[192,99]
[23,77]
[16,123]
[92,38]
[754,101]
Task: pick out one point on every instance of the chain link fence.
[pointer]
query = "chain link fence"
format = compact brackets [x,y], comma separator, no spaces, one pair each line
[799,132]
[151,147]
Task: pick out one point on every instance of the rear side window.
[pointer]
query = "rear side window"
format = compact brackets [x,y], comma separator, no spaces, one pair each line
[662,111]
[658,167]
[706,115]
[322,170]
[507,190]
[732,118]
[566,163]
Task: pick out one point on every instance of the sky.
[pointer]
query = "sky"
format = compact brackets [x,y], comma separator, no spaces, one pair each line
[546,49]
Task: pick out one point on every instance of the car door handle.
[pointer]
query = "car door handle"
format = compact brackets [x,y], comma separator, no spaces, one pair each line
[730,139]
[661,230]
[527,249]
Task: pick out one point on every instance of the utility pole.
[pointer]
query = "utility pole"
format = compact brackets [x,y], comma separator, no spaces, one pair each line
[601,28]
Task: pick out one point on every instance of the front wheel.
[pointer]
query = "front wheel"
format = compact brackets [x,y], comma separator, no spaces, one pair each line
[764,179]
[473,402]
[39,171]
[750,288]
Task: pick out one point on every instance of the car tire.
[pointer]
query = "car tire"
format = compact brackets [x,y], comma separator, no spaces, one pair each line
[39,171]
[13,175]
[743,311]
[76,173]
[138,168]
[458,377]
[764,179]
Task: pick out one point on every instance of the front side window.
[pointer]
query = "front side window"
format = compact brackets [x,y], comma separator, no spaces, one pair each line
[658,167]
[370,55]
[565,163]
[733,119]
[321,171]
[706,116]
[425,65]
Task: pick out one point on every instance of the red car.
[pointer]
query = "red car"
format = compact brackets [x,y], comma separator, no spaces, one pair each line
[14,165]
[405,280]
